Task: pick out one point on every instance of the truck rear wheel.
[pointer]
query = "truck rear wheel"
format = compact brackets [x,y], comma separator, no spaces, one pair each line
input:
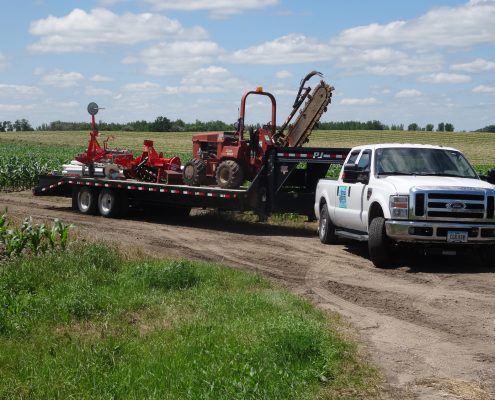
[109,203]
[379,245]
[229,174]
[194,173]
[87,201]
[326,228]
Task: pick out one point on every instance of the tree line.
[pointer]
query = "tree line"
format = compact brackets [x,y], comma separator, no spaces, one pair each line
[160,124]
[18,125]
[163,124]
[489,128]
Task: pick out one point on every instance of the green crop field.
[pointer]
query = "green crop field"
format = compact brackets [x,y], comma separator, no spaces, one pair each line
[24,154]
[478,147]
[21,163]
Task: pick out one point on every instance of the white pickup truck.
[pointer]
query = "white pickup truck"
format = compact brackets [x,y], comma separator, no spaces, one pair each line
[394,194]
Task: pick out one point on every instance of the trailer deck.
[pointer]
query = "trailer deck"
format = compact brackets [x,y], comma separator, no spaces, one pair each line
[285,184]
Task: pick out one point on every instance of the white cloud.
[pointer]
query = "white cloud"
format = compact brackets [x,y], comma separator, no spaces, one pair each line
[217,8]
[212,79]
[383,55]
[289,49]
[484,89]
[101,78]
[92,91]
[387,61]
[141,87]
[179,57]
[81,31]
[66,104]
[16,107]
[106,3]
[61,79]
[284,74]
[359,102]
[478,65]
[19,91]
[445,78]
[408,93]
[462,26]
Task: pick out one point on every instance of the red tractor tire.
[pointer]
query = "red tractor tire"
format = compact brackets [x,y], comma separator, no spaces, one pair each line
[194,173]
[229,174]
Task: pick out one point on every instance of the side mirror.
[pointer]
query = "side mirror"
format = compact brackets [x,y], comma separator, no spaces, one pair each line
[352,174]
[489,177]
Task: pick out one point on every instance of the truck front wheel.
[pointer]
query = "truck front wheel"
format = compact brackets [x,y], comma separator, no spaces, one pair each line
[379,245]
[326,228]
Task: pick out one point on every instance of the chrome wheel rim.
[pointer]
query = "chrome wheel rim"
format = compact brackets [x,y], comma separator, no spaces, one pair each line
[106,203]
[84,200]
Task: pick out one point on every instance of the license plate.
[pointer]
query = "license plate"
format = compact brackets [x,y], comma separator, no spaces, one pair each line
[457,237]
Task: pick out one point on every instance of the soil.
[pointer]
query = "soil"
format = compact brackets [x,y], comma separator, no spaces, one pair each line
[428,325]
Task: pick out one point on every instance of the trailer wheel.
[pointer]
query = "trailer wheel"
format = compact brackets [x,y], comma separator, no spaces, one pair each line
[229,174]
[326,228]
[109,203]
[379,245]
[194,173]
[87,201]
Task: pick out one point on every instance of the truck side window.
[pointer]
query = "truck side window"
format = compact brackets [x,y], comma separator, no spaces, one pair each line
[364,161]
[353,157]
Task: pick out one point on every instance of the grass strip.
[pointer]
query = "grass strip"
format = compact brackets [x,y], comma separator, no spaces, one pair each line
[87,323]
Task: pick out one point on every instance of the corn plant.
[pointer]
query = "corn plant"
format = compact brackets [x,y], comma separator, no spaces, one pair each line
[62,230]
[31,238]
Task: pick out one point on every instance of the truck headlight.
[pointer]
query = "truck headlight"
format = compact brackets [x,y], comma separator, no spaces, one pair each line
[399,207]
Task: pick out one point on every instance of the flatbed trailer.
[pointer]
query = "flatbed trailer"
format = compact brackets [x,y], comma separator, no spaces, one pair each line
[286,183]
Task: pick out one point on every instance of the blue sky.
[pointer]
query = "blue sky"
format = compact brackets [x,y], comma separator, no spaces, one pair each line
[395,61]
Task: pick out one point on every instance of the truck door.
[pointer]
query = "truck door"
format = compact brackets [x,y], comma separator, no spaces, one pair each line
[352,199]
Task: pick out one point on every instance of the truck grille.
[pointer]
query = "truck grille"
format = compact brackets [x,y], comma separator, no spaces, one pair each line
[451,204]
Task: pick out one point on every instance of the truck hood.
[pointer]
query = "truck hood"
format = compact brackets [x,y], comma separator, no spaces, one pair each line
[403,184]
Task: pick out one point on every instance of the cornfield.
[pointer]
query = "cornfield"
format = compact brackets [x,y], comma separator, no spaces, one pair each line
[20,164]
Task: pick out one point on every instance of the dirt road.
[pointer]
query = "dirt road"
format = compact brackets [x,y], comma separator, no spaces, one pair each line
[429,325]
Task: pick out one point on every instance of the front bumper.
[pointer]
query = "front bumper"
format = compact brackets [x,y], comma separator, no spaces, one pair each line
[428,232]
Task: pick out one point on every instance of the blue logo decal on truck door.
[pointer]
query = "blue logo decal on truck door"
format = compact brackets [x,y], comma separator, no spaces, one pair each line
[342,194]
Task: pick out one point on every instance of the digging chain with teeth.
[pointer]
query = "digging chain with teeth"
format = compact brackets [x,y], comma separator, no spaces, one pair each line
[308,117]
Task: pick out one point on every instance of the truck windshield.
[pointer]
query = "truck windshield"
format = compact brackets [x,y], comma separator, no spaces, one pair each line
[422,161]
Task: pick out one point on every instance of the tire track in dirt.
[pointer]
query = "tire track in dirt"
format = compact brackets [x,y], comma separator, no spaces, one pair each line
[429,325]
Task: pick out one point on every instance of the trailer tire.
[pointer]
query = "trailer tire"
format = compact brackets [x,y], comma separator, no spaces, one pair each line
[379,245]
[75,192]
[109,203]
[124,204]
[229,174]
[87,200]
[194,173]
[326,228]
